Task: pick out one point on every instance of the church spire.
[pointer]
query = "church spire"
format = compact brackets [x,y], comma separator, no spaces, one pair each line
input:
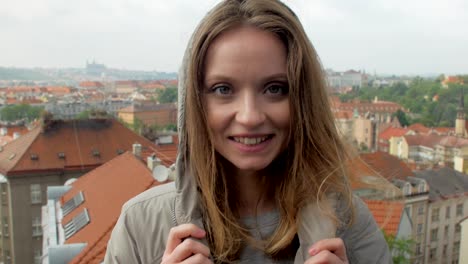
[460,122]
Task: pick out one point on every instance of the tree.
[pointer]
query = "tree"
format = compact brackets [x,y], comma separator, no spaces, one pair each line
[26,112]
[401,117]
[400,248]
[168,95]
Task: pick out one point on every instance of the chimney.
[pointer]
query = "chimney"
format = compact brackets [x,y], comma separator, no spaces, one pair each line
[16,135]
[137,150]
[3,131]
[152,161]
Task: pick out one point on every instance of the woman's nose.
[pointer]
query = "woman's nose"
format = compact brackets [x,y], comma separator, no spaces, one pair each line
[250,111]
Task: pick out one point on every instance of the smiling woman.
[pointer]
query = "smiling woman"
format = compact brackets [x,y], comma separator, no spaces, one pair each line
[261,170]
[246,98]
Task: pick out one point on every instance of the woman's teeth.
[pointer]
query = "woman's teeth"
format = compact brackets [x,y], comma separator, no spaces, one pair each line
[250,141]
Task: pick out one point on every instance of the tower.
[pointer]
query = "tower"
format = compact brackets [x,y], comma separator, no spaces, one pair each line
[460,121]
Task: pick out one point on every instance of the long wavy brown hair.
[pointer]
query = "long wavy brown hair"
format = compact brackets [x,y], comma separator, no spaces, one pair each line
[313,164]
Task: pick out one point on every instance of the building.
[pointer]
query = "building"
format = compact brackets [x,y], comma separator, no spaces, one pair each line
[70,110]
[386,136]
[448,205]
[414,193]
[49,155]
[149,114]
[464,241]
[350,78]
[344,122]
[97,197]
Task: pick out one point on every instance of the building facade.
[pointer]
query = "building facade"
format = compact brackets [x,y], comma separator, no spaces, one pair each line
[448,205]
[50,154]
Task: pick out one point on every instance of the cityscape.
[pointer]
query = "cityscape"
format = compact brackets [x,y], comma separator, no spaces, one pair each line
[76,144]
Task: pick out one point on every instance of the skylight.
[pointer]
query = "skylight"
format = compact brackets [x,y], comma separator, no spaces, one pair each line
[76,224]
[72,203]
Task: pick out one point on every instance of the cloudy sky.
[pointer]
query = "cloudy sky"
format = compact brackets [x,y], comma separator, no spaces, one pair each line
[383,36]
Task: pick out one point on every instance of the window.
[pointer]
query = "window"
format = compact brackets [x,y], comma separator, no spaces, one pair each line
[435,215]
[6,228]
[447,212]
[421,187]
[7,257]
[4,193]
[420,227]
[77,223]
[407,189]
[459,209]
[37,256]
[36,197]
[446,231]
[432,253]
[36,226]
[444,251]
[456,247]
[434,234]
[421,210]
[72,203]
[457,228]
[418,249]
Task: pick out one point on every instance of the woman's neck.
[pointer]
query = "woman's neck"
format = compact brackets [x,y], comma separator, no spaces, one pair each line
[253,197]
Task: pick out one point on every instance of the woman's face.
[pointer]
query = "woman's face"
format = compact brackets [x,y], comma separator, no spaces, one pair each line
[246,97]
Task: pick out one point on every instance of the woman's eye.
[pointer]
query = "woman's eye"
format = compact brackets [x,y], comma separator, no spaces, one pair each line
[279,89]
[221,89]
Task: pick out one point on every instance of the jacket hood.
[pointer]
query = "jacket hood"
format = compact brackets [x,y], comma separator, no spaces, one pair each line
[186,206]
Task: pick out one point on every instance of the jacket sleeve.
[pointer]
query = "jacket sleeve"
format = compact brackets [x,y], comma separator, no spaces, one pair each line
[122,247]
[364,241]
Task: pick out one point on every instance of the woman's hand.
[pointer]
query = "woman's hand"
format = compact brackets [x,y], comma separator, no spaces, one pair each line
[180,248]
[328,251]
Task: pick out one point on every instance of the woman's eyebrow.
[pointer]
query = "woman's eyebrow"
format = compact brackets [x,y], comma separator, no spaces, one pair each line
[224,77]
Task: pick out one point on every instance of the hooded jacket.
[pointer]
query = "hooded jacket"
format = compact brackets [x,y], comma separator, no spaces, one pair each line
[142,229]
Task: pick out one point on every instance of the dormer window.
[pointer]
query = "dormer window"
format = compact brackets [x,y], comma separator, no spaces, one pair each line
[421,187]
[34,156]
[61,155]
[71,204]
[77,223]
[96,153]
[407,189]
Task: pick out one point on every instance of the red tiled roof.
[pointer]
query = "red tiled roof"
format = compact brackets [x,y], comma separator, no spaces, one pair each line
[379,106]
[387,214]
[343,115]
[392,132]
[419,128]
[453,142]
[60,90]
[167,153]
[91,84]
[13,129]
[105,190]
[429,140]
[77,139]
[444,130]
[387,165]
[5,140]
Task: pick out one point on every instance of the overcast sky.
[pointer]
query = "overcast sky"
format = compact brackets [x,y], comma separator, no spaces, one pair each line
[385,36]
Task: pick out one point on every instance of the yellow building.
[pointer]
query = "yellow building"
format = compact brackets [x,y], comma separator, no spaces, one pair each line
[150,114]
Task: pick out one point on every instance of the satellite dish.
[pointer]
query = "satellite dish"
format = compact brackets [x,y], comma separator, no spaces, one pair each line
[160,173]
[70,181]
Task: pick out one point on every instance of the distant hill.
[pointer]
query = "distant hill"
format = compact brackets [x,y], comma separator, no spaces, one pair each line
[10,74]
[44,74]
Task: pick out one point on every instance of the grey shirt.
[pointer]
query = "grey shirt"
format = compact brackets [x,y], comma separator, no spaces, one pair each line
[260,227]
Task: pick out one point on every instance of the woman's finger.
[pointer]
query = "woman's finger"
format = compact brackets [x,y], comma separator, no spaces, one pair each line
[333,245]
[197,259]
[188,248]
[325,257]
[179,233]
